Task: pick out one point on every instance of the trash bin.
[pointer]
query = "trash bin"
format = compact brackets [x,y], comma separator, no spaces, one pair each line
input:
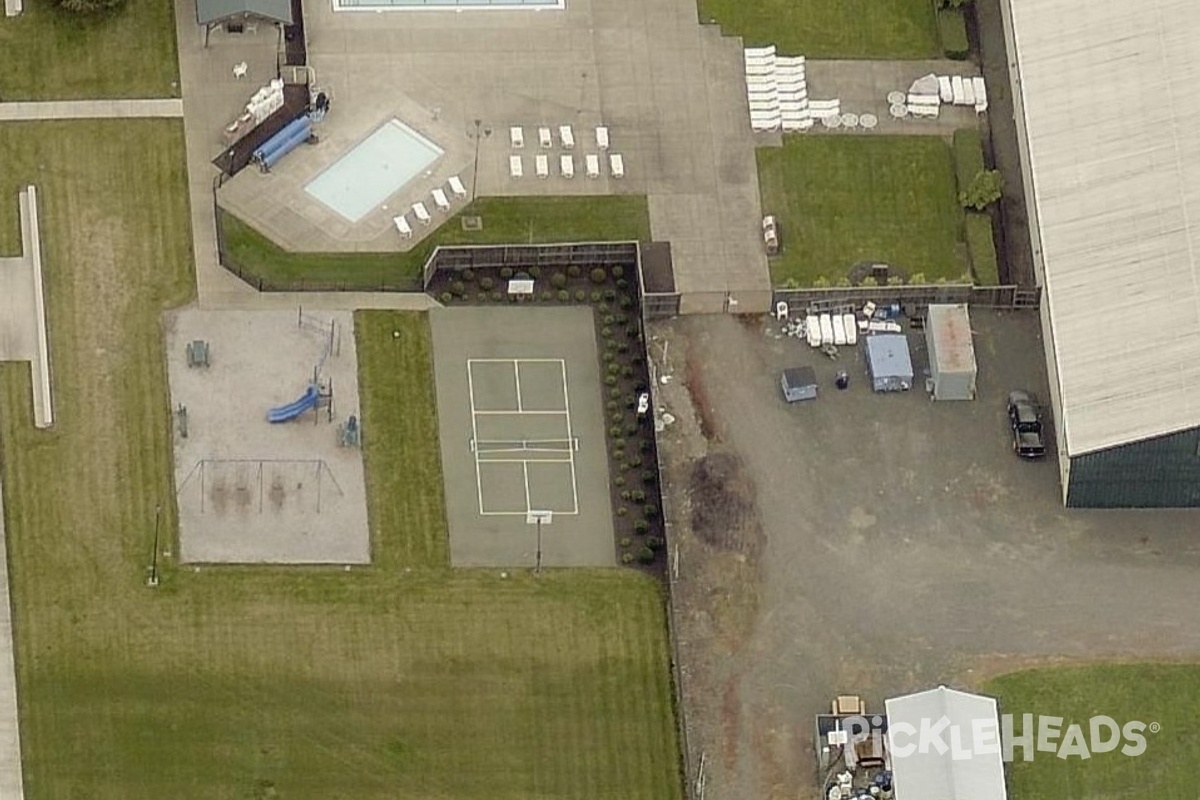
[842,380]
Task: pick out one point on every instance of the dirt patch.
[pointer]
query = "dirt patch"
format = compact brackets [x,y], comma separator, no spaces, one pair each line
[723,504]
[703,409]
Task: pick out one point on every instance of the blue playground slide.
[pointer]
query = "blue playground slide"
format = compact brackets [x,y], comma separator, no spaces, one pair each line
[294,409]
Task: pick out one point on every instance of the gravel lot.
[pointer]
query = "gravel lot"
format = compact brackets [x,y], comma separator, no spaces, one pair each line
[876,544]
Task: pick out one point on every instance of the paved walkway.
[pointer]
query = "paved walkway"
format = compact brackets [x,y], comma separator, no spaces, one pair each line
[91,109]
[11,783]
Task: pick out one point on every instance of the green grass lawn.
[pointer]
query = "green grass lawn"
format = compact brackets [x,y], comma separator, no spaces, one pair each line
[831,28]
[48,54]
[506,220]
[1168,695]
[841,200]
[401,680]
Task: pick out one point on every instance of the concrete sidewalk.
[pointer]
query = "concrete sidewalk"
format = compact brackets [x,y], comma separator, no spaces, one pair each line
[11,781]
[91,109]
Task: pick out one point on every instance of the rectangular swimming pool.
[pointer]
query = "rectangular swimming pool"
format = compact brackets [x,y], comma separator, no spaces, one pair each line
[443,5]
[374,170]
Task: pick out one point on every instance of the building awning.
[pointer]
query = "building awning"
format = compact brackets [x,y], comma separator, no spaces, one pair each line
[209,12]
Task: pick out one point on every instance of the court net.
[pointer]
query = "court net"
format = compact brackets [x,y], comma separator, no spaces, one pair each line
[524,445]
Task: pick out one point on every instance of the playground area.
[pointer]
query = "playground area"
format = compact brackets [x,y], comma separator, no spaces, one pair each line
[268,467]
[522,437]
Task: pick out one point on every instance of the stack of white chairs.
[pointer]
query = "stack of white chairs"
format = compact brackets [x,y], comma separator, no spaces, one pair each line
[762,89]
[777,90]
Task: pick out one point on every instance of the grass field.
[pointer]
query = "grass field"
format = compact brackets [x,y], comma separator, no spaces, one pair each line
[1168,695]
[47,54]
[831,28]
[841,200]
[505,220]
[396,681]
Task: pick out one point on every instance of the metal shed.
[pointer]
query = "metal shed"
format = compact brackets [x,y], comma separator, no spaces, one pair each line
[888,363]
[799,383]
[952,366]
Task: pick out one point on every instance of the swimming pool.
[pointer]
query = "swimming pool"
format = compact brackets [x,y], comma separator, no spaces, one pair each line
[373,170]
[443,5]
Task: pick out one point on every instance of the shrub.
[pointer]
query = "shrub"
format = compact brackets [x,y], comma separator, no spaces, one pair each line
[622,511]
[506,272]
[618,453]
[90,6]
[626,558]
[654,542]
[486,283]
[650,511]
[564,296]
[598,275]
[641,526]
[580,296]
[610,380]
[445,297]
[481,297]
[821,282]
[558,280]
[952,29]
[596,297]
[982,248]
[609,319]
[619,480]
[645,445]
[622,283]
[609,355]
[468,275]
[634,463]
[535,272]
[523,276]
[868,281]
[615,416]
[458,288]
[917,279]
[895,280]
[614,431]
[574,271]
[632,331]
[984,190]
[613,367]
[625,541]
[649,476]
[843,281]
[496,297]
[622,347]
[645,555]
[968,156]
[613,405]
[606,332]
[625,302]
[614,391]
[627,371]
[637,495]
[610,295]
[626,495]
[619,443]
[603,308]
[546,297]
[617,272]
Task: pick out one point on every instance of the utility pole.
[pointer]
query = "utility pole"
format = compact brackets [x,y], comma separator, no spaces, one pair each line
[153,580]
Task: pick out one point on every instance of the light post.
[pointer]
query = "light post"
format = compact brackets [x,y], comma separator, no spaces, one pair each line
[537,563]
[153,580]
[475,169]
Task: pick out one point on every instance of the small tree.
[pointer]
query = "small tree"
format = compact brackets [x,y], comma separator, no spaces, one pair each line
[953,3]
[984,190]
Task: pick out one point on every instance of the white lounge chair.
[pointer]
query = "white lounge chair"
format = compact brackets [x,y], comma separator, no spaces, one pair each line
[602,137]
[593,165]
[421,213]
[402,227]
[981,100]
[545,140]
[515,170]
[616,165]
[566,136]
[439,200]
[542,165]
[567,165]
[517,137]
[457,188]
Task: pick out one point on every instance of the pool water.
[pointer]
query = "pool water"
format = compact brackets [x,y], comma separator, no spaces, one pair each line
[374,170]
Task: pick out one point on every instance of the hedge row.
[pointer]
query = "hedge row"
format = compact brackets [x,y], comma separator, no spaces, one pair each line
[982,248]
[968,156]
[952,29]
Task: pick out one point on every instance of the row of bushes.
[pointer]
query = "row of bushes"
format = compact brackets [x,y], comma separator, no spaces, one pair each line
[977,228]
[952,30]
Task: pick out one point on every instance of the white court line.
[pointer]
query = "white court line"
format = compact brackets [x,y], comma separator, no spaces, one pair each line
[478,477]
[525,472]
[567,404]
[526,461]
[484,412]
[511,360]
[517,378]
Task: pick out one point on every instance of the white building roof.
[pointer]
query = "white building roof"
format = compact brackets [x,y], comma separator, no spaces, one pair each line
[1110,91]
[969,765]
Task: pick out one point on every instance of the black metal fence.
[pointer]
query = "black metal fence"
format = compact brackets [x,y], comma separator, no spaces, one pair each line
[1004,297]
[524,256]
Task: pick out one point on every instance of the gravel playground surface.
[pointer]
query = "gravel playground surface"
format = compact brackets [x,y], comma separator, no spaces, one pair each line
[877,544]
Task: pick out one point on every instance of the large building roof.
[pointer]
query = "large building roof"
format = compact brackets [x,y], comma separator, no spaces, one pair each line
[209,11]
[1110,95]
[959,755]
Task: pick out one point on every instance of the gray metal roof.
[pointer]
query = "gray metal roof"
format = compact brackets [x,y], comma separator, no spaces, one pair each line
[959,758]
[1109,89]
[208,11]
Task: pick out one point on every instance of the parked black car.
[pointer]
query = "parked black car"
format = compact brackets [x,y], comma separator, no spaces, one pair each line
[1025,421]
